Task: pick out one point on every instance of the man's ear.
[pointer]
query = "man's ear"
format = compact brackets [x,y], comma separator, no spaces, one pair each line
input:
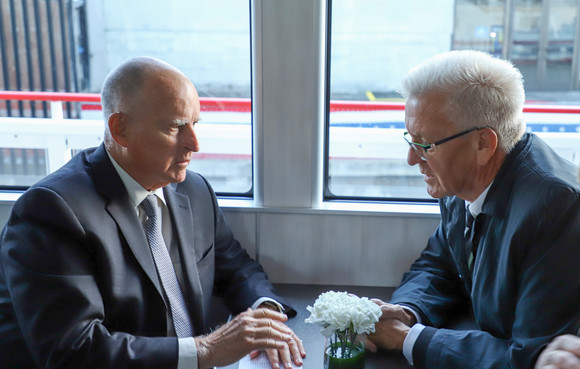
[487,145]
[118,126]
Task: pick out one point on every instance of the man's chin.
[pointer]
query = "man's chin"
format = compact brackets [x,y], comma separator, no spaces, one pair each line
[436,192]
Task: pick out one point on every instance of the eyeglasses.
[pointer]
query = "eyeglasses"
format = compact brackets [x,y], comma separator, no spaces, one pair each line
[422,150]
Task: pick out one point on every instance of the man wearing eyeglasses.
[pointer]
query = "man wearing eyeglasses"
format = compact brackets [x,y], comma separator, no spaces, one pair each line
[508,245]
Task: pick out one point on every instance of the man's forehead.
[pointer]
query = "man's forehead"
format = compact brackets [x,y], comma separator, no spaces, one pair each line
[427,123]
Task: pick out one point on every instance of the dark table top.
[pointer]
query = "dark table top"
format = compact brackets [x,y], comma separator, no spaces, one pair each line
[301,296]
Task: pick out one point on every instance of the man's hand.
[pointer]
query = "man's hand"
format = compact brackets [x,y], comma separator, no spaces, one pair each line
[294,350]
[391,329]
[391,311]
[258,329]
[562,353]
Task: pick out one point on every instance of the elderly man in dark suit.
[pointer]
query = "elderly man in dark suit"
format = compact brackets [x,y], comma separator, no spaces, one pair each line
[508,245]
[112,261]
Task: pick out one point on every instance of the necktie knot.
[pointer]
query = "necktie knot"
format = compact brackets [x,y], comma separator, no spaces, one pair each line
[149,205]
[469,220]
[471,238]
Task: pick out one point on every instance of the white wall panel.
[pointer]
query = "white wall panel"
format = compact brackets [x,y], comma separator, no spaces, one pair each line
[354,248]
[244,227]
[340,249]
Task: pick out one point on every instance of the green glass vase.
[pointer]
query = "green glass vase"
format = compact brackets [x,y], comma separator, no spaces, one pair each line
[344,351]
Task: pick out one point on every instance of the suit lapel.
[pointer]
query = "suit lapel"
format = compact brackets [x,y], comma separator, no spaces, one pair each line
[131,228]
[109,185]
[183,225]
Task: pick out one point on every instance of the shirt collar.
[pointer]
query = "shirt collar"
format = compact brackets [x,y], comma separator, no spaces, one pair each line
[477,204]
[137,193]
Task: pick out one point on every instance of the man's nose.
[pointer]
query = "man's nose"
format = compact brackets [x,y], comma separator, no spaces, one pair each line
[190,138]
[412,157]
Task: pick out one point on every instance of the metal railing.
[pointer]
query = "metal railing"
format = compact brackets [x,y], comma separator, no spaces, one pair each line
[365,139]
[42,48]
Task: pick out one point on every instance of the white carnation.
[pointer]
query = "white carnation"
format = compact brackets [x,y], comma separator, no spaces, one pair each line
[337,311]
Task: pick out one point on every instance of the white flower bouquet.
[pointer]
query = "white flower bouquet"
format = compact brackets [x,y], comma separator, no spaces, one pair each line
[342,317]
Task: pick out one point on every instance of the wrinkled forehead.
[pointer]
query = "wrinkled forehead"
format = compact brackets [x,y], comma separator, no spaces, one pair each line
[427,114]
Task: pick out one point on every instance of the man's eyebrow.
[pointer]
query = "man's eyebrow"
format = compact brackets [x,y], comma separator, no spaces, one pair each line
[182,122]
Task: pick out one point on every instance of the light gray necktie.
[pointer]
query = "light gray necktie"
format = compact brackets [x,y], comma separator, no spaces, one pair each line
[181,321]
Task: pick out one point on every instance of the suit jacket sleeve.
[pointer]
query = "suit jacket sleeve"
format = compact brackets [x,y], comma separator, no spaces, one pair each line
[433,286]
[239,279]
[534,294]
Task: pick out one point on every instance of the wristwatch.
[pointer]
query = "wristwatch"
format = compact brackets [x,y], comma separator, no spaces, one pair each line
[273,305]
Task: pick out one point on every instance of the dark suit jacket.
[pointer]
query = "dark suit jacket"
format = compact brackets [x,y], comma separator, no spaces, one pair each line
[78,286]
[526,281]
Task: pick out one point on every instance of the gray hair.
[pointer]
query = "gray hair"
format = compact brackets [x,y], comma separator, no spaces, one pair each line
[123,84]
[482,91]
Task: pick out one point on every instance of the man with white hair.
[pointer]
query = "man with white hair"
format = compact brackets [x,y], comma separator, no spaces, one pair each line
[508,243]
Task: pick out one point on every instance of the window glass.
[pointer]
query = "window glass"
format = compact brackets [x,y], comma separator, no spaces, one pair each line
[373,46]
[70,46]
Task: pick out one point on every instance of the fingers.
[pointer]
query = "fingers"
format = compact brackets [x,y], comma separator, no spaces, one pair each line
[292,353]
[371,346]
[283,358]
[392,311]
[562,353]
[268,314]
[297,349]
[378,301]
[561,359]
[569,343]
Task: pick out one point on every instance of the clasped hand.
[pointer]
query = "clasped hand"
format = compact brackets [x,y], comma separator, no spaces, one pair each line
[562,353]
[391,329]
[249,332]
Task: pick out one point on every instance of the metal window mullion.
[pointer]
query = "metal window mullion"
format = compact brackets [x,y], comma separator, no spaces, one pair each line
[508,40]
[53,66]
[31,86]
[16,54]
[543,44]
[575,73]
[72,48]
[64,52]
[39,45]
[4,61]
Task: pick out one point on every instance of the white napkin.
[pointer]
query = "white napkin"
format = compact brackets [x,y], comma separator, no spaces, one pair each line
[261,362]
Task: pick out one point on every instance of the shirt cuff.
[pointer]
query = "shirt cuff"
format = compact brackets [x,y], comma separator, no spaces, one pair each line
[410,341]
[187,351]
[261,300]
[412,311]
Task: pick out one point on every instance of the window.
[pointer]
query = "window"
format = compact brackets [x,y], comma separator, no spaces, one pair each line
[70,46]
[373,46]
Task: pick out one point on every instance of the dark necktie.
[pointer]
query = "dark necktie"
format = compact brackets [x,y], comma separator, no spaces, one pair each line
[165,270]
[471,239]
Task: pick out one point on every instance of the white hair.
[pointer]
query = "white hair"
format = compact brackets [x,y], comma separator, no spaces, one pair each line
[481,90]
